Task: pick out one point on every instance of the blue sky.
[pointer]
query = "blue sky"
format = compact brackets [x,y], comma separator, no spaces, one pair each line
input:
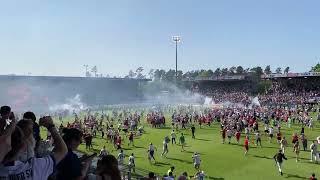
[58,37]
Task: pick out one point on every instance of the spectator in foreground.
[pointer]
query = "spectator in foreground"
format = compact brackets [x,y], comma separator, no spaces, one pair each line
[184,176]
[34,168]
[107,169]
[36,128]
[27,128]
[71,167]
[151,176]
[171,170]
[313,177]
[5,137]
[169,177]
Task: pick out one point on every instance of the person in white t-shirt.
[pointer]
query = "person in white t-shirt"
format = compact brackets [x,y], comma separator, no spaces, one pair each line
[121,157]
[310,125]
[229,135]
[270,133]
[34,168]
[132,163]
[196,160]
[173,137]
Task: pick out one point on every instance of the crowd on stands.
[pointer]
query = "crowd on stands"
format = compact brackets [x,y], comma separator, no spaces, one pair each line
[280,93]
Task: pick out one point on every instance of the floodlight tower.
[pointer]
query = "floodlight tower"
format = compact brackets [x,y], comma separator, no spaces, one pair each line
[176,39]
[86,66]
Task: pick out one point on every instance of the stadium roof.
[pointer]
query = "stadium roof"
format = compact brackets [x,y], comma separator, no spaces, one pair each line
[291,75]
[219,78]
[66,78]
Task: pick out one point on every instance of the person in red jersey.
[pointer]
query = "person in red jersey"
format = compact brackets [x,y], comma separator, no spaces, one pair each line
[238,135]
[279,137]
[246,145]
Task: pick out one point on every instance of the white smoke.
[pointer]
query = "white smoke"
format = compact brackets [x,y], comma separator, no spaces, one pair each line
[227,104]
[208,101]
[72,105]
[254,103]
[169,94]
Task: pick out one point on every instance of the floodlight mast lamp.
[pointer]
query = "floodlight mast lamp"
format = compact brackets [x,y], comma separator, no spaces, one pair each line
[176,39]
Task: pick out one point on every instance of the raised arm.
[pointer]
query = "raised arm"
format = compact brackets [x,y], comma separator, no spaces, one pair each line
[60,148]
[5,137]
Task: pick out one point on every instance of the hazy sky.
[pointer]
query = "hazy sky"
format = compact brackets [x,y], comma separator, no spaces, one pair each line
[57,37]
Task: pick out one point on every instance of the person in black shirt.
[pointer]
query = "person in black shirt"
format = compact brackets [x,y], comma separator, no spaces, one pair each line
[72,167]
[279,160]
[193,129]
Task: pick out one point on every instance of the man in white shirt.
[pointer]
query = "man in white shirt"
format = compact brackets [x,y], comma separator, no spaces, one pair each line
[314,152]
[270,133]
[132,164]
[196,160]
[173,137]
[229,134]
[121,157]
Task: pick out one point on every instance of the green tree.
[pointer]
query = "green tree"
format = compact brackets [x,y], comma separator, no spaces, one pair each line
[257,71]
[210,73]
[187,75]
[94,70]
[232,70]
[204,73]
[240,70]
[224,72]
[179,75]
[159,74]
[151,73]
[316,68]
[195,74]
[286,70]
[131,74]
[170,76]
[279,70]
[267,70]
[217,72]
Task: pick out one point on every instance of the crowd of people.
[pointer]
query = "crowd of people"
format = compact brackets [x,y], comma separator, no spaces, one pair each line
[280,93]
[26,155]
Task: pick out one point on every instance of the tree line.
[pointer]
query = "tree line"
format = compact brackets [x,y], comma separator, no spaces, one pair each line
[170,75]
[160,74]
